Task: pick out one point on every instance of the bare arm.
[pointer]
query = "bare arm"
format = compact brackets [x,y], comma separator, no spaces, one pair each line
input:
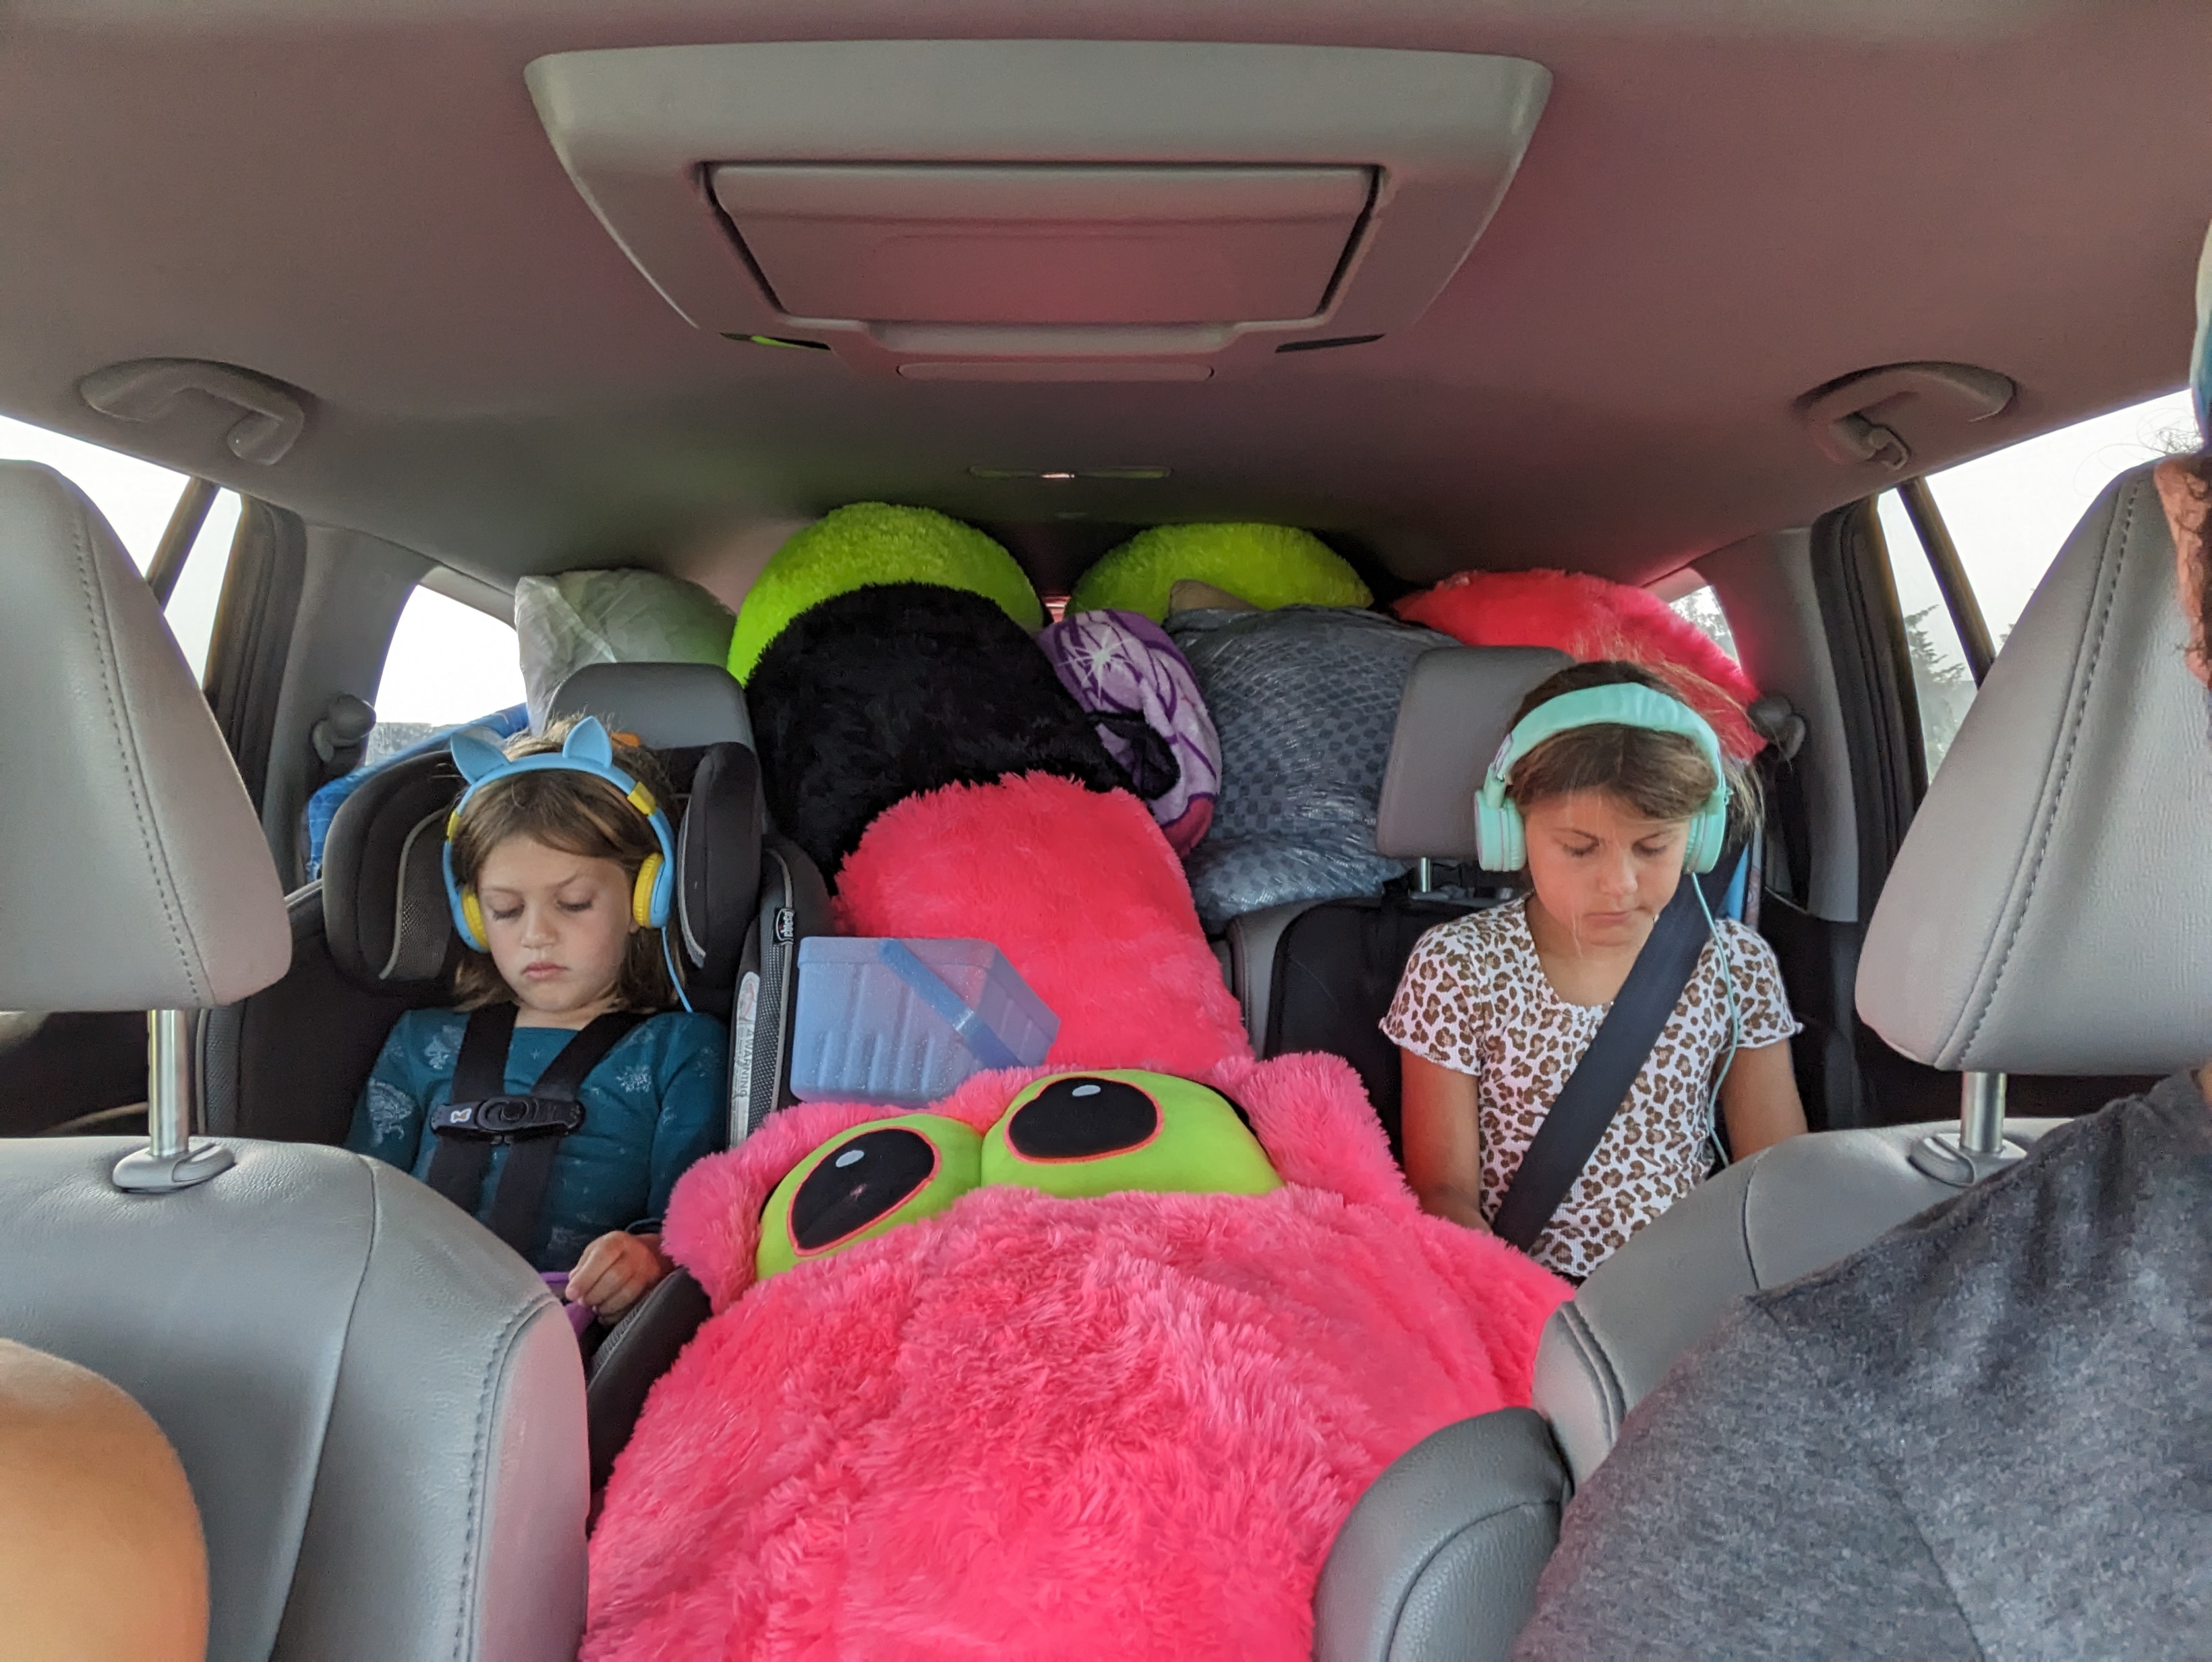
[1759,1100]
[1441,1130]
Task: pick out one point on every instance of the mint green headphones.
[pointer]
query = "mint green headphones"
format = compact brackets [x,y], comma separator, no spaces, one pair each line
[1502,845]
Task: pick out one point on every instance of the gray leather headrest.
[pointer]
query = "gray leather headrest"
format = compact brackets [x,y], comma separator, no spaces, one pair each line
[1457,709]
[667,706]
[135,875]
[2047,913]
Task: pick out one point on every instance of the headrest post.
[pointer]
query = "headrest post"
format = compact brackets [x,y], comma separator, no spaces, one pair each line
[168,1161]
[1424,876]
[1978,1148]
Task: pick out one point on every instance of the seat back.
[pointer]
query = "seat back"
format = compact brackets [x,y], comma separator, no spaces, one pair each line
[1319,975]
[379,1408]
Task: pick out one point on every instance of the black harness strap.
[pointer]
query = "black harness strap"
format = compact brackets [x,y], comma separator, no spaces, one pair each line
[483,1116]
[1594,1093]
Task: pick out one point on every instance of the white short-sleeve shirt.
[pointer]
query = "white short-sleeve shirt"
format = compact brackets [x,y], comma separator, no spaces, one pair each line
[1474,998]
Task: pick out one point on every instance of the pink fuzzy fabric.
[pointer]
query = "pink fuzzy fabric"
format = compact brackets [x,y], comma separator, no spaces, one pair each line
[1588,619]
[1080,891]
[1127,1427]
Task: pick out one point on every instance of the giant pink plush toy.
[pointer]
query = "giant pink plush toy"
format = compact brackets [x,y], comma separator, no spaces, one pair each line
[1123,1427]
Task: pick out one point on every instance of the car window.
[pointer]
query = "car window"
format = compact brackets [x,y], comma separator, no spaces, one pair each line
[1702,608]
[2007,513]
[138,499]
[447,663]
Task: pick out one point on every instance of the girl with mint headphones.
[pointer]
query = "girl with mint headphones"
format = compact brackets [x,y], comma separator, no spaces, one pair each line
[1607,790]
[563,1098]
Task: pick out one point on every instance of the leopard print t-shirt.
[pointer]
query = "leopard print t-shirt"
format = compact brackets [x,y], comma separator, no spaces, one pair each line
[1474,998]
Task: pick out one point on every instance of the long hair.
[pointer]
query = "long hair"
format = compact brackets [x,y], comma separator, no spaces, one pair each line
[1661,775]
[579,814]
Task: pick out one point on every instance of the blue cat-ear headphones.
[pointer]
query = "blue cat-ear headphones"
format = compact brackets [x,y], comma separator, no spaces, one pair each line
[1501,842]
[587,749]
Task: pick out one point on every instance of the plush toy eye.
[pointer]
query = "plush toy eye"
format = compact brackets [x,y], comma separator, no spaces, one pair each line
[1082,1135]
[862,1181]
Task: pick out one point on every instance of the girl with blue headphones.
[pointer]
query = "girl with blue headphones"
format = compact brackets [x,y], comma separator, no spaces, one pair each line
[562,1098]
[1607,789]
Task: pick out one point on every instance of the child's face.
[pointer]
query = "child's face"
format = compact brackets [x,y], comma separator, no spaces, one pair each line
[558,924]
[1601,869]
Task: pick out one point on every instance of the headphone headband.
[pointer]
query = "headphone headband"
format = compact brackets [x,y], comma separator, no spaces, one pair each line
[1499,834]
[588,750]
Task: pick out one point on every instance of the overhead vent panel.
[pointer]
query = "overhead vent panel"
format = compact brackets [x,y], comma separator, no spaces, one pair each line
[1056,203]
[928,243]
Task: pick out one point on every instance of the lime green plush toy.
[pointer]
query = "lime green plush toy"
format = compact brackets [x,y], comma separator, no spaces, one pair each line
[873,1177]
[866,543]
[1269,565]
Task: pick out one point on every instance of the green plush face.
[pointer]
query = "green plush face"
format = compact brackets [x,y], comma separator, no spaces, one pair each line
[1077,1134]
[1266,565]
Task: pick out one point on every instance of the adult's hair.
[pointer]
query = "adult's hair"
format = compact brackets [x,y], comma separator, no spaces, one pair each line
[1660,775]
[2197,464]
[577,813]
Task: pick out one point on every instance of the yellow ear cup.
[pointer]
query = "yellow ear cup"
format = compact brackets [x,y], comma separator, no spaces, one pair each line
[474,913]
[640,897]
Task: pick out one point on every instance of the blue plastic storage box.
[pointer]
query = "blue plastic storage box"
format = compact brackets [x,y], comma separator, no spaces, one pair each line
[901,1022]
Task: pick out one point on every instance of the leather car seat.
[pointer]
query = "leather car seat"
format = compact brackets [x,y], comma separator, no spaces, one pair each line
[2029,925]
[380,1410]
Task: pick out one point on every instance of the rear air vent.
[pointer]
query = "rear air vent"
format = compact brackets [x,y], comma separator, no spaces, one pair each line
[1042,209]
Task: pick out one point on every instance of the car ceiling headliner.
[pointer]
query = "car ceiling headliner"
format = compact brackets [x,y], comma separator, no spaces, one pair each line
[1726,203]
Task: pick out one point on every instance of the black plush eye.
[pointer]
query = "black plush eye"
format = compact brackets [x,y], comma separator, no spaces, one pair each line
[1082,1135]
[868,1178]
[864,1181]
[1081,1118]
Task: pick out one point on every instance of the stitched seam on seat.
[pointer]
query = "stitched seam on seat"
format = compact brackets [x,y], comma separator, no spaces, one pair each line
[126,741]
[2099,625]
[1599,1367]
[494,1375]
[1414,1579]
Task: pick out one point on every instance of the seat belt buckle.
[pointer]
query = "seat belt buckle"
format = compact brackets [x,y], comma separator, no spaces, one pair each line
[508,1119]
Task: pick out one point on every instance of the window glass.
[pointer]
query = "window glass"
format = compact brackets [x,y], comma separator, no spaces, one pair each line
[1702,608]
[2010,512]
[138,498]
[1941,679]
[2007,513]
[447,663]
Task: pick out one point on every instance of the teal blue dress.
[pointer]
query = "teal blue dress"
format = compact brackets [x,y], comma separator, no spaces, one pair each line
[652,1107]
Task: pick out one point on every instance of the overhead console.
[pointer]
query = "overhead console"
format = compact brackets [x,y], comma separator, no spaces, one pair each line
[1042,209]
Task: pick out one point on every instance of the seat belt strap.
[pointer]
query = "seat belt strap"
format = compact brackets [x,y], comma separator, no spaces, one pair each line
[1600,1082]
[457,1168]
[523,1179]
[482,1115]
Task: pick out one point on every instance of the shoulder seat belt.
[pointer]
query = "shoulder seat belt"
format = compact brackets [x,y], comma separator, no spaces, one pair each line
[483,1116]
[1599,1085]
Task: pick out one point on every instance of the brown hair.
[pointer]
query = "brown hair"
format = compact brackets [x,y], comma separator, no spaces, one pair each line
[2197,464]
[1661,775]
[579,814]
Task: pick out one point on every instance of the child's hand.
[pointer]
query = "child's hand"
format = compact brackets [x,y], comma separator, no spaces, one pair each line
[616,1271]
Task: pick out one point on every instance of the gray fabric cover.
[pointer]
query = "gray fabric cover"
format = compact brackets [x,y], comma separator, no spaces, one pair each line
[2047,914]
[1305,699]
[1784,1213]
[1439,1562]
[1457,708]
[380,1408]
[137,877]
